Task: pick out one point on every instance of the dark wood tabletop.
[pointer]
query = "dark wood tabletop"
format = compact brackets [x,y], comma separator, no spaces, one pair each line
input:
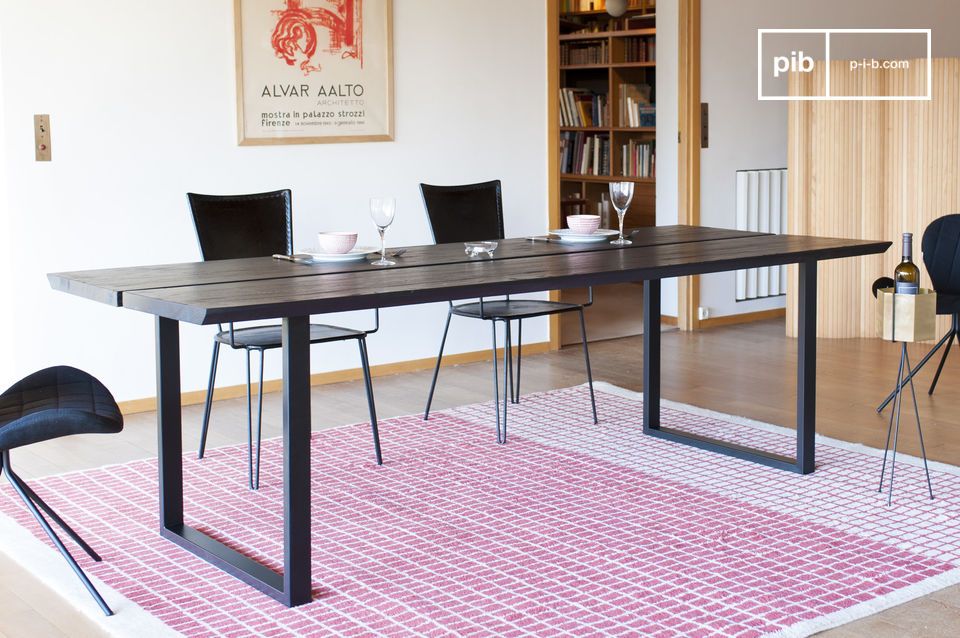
[295,296]
[108,285]
[261,288]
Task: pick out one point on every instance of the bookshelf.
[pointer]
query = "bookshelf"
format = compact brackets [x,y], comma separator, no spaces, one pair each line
[605,130]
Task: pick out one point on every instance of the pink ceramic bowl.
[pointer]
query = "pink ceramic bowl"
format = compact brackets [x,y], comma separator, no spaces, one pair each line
[336,243]
[583,224]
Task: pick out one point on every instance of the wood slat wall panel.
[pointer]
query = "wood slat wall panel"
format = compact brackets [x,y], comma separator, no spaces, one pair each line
[870,170]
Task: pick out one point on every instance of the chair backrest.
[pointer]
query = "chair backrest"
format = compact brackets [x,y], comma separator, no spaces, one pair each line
[941,254]
[470,212]
[238,226]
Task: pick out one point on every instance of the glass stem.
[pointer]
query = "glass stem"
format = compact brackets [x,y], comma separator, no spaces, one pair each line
[620,216]
[383,243]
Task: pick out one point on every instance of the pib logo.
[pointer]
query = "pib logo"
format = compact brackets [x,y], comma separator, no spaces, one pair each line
[796,62]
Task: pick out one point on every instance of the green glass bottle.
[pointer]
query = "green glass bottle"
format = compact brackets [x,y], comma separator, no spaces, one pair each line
[907,276]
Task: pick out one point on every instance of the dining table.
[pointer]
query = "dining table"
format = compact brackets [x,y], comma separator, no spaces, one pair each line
[265,288]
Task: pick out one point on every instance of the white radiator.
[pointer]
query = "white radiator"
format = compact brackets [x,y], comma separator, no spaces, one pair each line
[762,207]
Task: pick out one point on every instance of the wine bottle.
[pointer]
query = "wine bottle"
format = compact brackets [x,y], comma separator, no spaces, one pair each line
[907,276]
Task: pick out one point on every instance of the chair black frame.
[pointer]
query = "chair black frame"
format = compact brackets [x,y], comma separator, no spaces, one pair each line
[42,413]
[511,385]
[229,336]
[34,504]
[940,285]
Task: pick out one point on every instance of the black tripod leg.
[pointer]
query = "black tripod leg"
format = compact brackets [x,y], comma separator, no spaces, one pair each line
[916,412]
[922,363]
[886,447]
[898,408]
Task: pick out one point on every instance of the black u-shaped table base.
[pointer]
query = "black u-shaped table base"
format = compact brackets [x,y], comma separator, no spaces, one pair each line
[804,462]
[293,586]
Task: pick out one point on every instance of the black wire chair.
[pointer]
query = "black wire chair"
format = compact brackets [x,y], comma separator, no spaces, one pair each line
[941,256]
[474,212]
[49,404]
[261,225]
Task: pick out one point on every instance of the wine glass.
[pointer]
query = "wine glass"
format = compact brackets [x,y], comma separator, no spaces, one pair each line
[382,212]
[621,193]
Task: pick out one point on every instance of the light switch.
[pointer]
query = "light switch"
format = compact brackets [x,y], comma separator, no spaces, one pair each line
[41,137]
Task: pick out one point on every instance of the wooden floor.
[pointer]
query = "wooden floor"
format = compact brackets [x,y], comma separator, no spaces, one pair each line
[745,370]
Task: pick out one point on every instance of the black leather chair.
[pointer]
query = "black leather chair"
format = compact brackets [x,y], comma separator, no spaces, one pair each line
[474,212]
[261,225]
[48,404]
[941,256]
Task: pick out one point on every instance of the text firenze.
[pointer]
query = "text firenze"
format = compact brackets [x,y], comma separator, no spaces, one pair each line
[305,90]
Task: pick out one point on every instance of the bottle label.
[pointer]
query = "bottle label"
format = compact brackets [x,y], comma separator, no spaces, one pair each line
[906,288]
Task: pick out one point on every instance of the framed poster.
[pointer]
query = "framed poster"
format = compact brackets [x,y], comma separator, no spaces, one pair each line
[314,71]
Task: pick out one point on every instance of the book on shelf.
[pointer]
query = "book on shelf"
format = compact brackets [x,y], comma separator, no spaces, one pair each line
[582,154]
[569,6]
[640,49]
[638,159]
[583,108]
[584,53]
[635,109]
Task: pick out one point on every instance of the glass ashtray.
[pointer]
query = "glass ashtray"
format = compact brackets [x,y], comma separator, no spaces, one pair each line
[479,248]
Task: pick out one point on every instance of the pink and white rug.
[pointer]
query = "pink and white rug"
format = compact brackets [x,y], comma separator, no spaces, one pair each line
[570,529]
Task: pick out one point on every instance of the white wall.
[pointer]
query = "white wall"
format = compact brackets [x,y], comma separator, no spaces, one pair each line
[668,125]
[7,365]
[746,133]
[142,105]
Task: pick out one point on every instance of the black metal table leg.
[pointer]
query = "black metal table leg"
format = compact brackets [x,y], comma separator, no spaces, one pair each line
[806,383]
[293,586]
[651,356]
[296,460]
[169,426]
[806,366]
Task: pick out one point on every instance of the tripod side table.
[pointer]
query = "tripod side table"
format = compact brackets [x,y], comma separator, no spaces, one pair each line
[905,319]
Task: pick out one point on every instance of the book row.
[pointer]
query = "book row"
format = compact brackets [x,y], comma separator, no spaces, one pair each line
[626,23]
[638,159]
[568,6]
[634,108]
[640,49]
[579,107]
[582,154]
[580,53]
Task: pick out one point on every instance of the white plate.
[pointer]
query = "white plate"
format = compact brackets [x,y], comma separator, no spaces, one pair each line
[357,254]
[565,234]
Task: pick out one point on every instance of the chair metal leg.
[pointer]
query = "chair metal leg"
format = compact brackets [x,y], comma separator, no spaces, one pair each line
[943,359]
[506,363]
[256,475]
[508,357]
[209,403]
[586,360]
[519,356]
[56,518]
[18,487]
[436,369]
[496,384]
[249,425]
[368,382]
